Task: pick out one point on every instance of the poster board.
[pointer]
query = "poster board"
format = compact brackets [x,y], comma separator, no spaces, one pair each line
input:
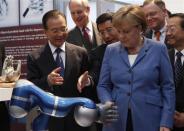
[9,13]
[32,11]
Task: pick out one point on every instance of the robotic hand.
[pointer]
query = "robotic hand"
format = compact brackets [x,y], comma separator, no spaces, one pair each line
[104,113]
[108,112]
[26,96]
[11,70]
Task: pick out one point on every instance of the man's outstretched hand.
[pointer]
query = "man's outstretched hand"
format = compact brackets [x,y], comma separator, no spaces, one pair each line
[83,81]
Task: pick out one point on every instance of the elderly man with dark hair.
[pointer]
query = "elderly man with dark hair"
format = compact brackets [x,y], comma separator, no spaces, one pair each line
[56,66]
[175,36]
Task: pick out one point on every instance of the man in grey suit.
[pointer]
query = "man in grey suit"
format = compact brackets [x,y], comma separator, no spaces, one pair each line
[85,33]
[175,35]
[44,72]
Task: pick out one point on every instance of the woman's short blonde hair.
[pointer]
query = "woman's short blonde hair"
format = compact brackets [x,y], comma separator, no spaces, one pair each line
[132,14]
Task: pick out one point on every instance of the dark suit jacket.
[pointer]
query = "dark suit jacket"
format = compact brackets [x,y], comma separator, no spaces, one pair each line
[41,62]
[4,115]
[179,90]
[95,59]
[149,33]
[75,37]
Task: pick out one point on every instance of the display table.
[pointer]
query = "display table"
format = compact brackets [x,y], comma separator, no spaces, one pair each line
[5,94]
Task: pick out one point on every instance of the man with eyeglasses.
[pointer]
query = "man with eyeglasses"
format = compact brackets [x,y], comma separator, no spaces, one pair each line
[156,16]
[175,37]
[56,66]
[85,32]
[109,35]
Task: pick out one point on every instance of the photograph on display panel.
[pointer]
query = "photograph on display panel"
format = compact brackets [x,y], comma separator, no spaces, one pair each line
[9,13]
[31,11]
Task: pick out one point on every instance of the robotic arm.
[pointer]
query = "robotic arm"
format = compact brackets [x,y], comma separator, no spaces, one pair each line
[26,96]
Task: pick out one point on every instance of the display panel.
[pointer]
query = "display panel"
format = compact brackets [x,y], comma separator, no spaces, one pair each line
[9,13]
[32,11]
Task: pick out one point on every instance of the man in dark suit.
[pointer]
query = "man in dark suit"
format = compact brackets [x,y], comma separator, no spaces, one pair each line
[85,33]
[156,16]
[109,35]
[175,35]
[61,81]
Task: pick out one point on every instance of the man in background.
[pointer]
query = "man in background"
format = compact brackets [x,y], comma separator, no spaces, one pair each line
[85,32]
[109,35]
[156,16]
[175,36]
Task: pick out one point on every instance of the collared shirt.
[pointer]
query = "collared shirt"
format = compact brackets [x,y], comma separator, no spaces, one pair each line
[62,54]
[162,36]
[89,29]
[182,57]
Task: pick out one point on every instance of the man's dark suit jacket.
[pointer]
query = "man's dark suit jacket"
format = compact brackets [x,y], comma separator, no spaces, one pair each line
[149,33]
[95,59]
[75,36]
[179,90]
[95,62]
[41,62]
[4,115]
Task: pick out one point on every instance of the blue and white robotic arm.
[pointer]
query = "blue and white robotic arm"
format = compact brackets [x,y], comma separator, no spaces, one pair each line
[26,96]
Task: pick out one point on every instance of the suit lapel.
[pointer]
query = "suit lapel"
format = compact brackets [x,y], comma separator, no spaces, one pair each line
[124,55]
[68,60]
[96,37]
[142,53]
[148,34]
[79,35]
[82,42]
[47,58]
[172,57]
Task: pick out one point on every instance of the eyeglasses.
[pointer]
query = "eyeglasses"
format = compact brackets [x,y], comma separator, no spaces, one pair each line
[58,30]
[108,30]
[171,28]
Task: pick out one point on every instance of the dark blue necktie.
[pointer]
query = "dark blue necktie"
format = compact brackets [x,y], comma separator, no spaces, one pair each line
[59,61]
[179,71]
